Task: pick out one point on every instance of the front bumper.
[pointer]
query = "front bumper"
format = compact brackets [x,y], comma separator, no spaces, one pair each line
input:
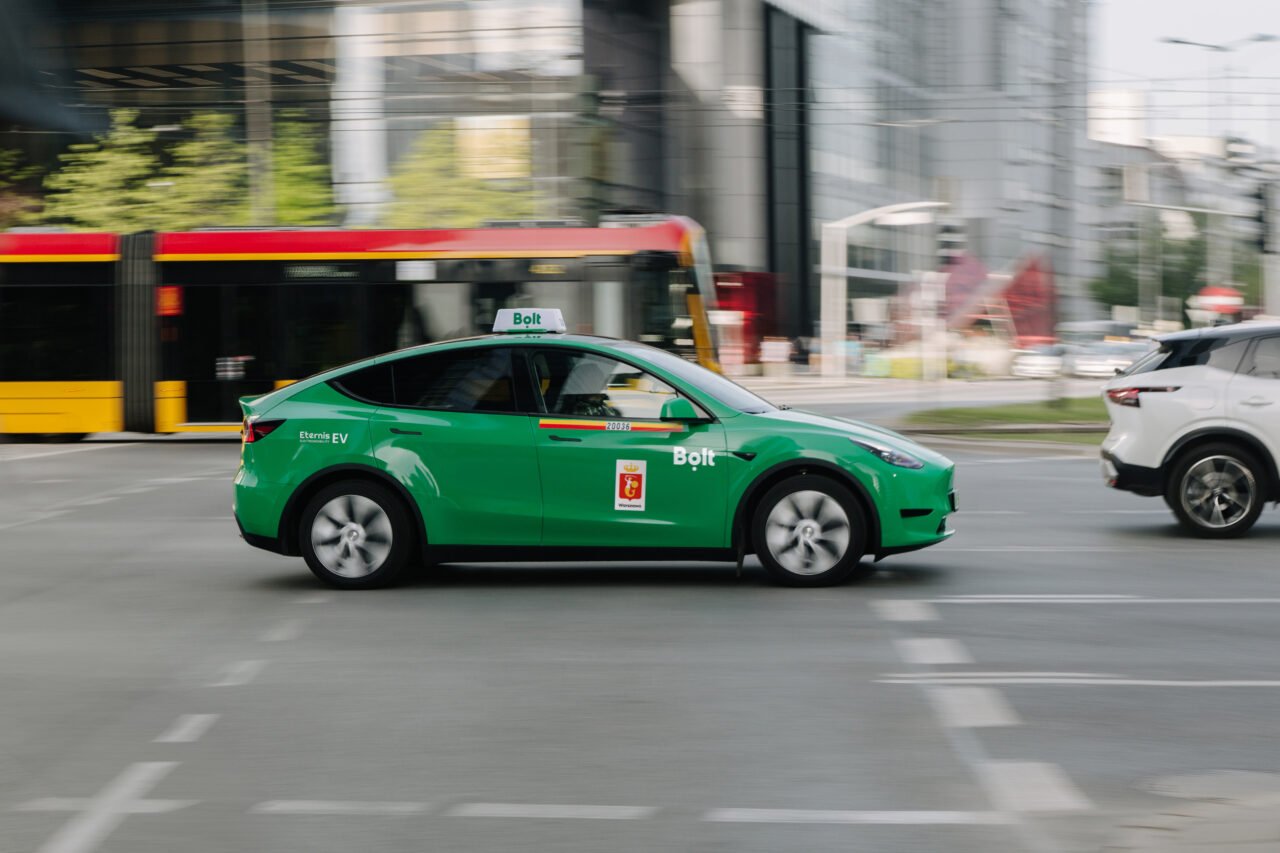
[1148,482]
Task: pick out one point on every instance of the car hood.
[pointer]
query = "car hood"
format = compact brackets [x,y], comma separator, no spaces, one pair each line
[855,429]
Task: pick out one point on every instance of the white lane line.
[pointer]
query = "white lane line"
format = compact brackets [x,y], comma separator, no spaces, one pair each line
[188,728]
[1118,600]
[337,807]
[552,810]
[932,651]
[901,818]
[1040,596]
[102,813]
[1094,682]
[42,454]
[969,512]
[972,707]
[93,502]
[1031,786]
[239,673]
[314,598]
[904,610]
[289,629]
[954,675]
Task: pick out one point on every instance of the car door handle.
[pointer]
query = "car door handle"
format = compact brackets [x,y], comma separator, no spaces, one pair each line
[405,431]
[564,438]
[1256,401]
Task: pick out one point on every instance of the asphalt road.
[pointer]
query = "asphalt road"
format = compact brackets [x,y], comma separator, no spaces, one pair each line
[1035,684]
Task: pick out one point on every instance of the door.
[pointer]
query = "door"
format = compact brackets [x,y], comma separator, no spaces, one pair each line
[615,474]
[1253,394]
[459,438]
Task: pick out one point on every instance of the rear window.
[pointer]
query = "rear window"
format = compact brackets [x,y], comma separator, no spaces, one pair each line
[1222,353]
[478,380]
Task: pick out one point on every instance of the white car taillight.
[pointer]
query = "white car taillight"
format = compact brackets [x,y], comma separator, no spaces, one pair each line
[1131,396]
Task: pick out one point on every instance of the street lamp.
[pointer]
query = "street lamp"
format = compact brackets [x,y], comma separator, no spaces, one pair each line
[834,298]
[1222,47]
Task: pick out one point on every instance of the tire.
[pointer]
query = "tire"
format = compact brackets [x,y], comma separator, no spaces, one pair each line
[810,531]
[1217,491]
[356,534]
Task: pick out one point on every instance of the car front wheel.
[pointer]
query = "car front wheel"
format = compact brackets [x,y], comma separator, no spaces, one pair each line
[356,535]
[809,531]
[1217,491]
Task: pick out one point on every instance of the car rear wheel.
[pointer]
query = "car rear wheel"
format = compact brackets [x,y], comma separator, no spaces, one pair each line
[1217,491]
[356,535]
[810,531]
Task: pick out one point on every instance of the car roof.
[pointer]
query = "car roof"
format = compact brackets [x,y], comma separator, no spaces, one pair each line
[509,339]
[1235,331]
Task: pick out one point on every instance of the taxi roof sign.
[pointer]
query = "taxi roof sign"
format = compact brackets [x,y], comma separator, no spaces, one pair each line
[529,320]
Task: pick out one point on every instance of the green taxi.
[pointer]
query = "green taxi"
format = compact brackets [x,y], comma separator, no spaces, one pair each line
[533,444]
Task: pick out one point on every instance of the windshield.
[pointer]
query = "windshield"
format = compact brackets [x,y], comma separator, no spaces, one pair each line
[725,390]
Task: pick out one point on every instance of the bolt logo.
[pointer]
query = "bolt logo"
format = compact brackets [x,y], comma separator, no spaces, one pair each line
[526,319]
[628,491]
[694,458]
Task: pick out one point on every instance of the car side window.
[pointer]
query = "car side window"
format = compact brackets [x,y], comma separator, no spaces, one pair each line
[369,385]
[1264,362]
[473,380]
[585,384]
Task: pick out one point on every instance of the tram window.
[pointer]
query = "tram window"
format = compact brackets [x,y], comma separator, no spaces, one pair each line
[51,332]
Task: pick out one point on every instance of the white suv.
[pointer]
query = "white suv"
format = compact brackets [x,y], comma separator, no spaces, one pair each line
[1197,421]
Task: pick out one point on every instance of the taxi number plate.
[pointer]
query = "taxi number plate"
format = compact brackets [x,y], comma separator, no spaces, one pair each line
[621,426]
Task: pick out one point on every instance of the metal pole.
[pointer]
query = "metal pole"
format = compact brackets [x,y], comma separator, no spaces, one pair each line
[834,299]
[1271,258]
[255,41]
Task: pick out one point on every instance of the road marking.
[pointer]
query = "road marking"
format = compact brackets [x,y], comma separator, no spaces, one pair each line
[550,810]
[904,610]
[289,629]
[1046,595]
[336,807]
[1031,786]
[314,598]
[239,673]
[188,728]
[969,512]
[956,676]
[1109,681]
[972,707]
[1057,599]
[93,501]
[932,651]
[42,454]
[100,815]
[907,818]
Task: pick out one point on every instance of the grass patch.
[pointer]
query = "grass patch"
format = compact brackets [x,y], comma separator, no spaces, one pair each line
[1075,410]
[1087,439]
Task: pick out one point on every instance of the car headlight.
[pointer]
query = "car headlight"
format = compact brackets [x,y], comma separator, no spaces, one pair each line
[888,454]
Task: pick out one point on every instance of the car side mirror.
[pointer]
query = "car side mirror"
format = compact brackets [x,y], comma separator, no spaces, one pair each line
[681,409]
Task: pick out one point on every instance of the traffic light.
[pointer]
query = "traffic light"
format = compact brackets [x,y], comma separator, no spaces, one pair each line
[1262,197]
[951,242]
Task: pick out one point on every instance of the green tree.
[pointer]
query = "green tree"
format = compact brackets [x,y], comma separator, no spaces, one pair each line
[1180,266]
[301,183]
[14,204]
[107,184]
[206,181]
[431,188]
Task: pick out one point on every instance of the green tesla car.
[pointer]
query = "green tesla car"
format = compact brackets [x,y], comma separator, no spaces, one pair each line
[533,444]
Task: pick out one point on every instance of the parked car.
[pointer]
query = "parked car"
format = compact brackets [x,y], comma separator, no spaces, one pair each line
[1104,360]
[1038,362]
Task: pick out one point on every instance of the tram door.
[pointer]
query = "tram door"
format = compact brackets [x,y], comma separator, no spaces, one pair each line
[222,347]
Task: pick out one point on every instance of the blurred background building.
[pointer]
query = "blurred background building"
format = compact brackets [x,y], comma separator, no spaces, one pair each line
[761,119]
